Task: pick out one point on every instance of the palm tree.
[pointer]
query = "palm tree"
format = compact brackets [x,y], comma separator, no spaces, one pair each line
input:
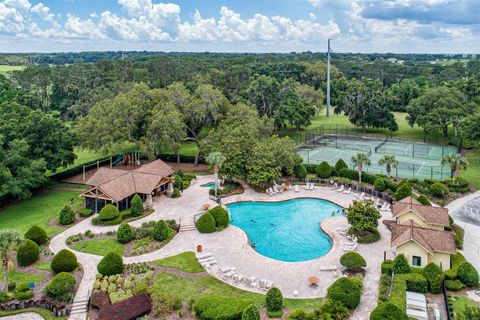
[360,160]
[455,162]
[390,162]
[216,159]
[9,240]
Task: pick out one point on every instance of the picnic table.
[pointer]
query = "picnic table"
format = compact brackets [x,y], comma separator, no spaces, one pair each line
[313,281]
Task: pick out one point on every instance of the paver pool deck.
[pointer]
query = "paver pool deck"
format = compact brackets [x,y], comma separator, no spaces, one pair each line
[231,248]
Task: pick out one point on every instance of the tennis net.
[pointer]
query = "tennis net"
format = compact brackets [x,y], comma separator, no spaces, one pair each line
[381,144]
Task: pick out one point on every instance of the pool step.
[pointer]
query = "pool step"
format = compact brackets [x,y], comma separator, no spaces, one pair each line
[187,227]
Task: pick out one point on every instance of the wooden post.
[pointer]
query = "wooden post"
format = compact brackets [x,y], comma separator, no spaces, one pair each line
[110,162]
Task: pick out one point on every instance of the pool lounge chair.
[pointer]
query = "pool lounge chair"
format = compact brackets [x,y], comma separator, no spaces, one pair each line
[387,207]
[350,247]
[335,186]
[312,186]
[251,282]
[340,189]
[348,191]
[296,188]
[360,196]
[307,186]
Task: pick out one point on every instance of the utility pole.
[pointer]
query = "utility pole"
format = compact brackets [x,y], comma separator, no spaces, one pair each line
[328,79]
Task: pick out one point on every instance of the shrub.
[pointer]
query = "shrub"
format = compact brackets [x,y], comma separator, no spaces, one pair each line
[25,295]
[398,292]
[109,212]
[423,200]
[64,261]
[403,191]
[111,264]
[344,291]
[379,184]
[221,308]
[340,165]
[310,168]
[161,231]
[61,286]
[206,223]
[67,216]
[274,300]
[324,170]
[459,234]
[387,311]
[369,237]
[37,235]
[27,253]
[353,261]
[468,274]
[11,285]
[387,266]
[85,213]
[400,264]
[416,282]
[3,297]
[358,281]
[454,285]
[251,313]
[176,193]
[125,233]
[221,216]
[434,276]
[348,173]
[300,171]
[333,310]
[136,206]
[438,189]
[22,287]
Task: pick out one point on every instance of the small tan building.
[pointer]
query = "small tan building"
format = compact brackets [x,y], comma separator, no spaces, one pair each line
[425,216]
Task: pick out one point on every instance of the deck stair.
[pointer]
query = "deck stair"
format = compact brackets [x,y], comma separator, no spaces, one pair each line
[79,307]
[187,227]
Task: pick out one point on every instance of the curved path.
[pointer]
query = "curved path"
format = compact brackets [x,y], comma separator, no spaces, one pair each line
[231,249]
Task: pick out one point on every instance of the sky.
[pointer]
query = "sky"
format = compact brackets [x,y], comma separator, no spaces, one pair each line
[402,26]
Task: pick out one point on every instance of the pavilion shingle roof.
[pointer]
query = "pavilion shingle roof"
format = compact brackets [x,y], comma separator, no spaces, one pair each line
[431,240]
[430,214]
[119,184]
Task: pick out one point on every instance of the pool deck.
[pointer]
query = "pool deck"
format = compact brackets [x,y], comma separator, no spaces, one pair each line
[231,249]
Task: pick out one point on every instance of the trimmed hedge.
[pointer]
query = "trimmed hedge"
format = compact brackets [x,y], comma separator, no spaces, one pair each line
[85,213]
[353,261]
[28,253]
[176,193]
[221,216]
[434,276]
[66,216]
[333,310]
[109,212]
[221,308]
[380,185]
[324,170]
[388,311]
[136,206]
[206,223]
[125,233]
[468,274]
[438,190]
[400,265]
[398,293]
[300,171]
[454,285]
[403,191]
[274,299]
[61,287]
[64,261]
[345,291]
[423,200]
[387,266]
[251,313]
[340,165]
[25,295]
[110,265]
[416,282]
[37,235]
[161,231]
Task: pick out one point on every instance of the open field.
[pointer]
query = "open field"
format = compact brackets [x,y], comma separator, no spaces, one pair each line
[472,174]
[5,69]
[101,247]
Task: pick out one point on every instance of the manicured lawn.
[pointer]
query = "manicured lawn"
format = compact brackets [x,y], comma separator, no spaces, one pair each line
[6,69]
[187,289]
[46,314]
[44,266]
[20,277]
[100,247]
[38,210]
[472,174]
[184,261]
[460,303]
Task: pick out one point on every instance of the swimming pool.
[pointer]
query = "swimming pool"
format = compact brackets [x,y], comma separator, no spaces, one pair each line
[287,230]
[210,185]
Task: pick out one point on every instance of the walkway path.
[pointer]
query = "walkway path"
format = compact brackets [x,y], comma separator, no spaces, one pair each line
[230,247]
[24,316]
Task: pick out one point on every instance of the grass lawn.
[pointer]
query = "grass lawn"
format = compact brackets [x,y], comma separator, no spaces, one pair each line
[100,247]
[46,314]
[472,174]
[460,303]
[44,265]
[184,261]
[38,210]
[6,69]
[20,277]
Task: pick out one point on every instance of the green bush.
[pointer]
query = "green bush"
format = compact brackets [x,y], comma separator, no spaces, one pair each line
[398,292]
[358,281]
[274,300]
[388,311]
[221,308]
[37,235]
[125,233]
[61,287]
[3,297]
[434,276]
[423,200]
[346,292]
[110,265]
[456,260]
[25,295]
[11,285]
[324,170]
[251,313]
[416,282]
[400,264]
[353,261]
[176,193]
[333,310]
[300,171]
[457,184]
[85,213]
[340,165]
[379,184]
[67,216]
[468,274]
[221,216]
[22,287]
[136,206]
[206,223]
[370,236]
[459,234]
[438,190]
[387,266]
[454,285]
[161,231]
[403,191]
[64,261]
[109,212]
[27,253]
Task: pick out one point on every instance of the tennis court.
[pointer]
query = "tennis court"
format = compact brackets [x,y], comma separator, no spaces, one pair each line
[416,160]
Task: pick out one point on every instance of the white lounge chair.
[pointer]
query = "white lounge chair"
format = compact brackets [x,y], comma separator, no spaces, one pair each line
[360,196]
[350,247]
[387,207]
[348,191]
[335,185]
[307,186]
[312,187]
[296,188]
[340,189]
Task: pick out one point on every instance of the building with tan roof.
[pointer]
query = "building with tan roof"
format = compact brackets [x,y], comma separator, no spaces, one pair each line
[425,216]
[117,186]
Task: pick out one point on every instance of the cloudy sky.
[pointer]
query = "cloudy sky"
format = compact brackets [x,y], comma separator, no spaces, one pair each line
[437,26]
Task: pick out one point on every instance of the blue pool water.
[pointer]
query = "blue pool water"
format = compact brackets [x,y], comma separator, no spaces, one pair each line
[210,185]
[287,230]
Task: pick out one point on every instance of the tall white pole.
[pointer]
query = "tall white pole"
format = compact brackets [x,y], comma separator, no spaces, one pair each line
[328,79]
